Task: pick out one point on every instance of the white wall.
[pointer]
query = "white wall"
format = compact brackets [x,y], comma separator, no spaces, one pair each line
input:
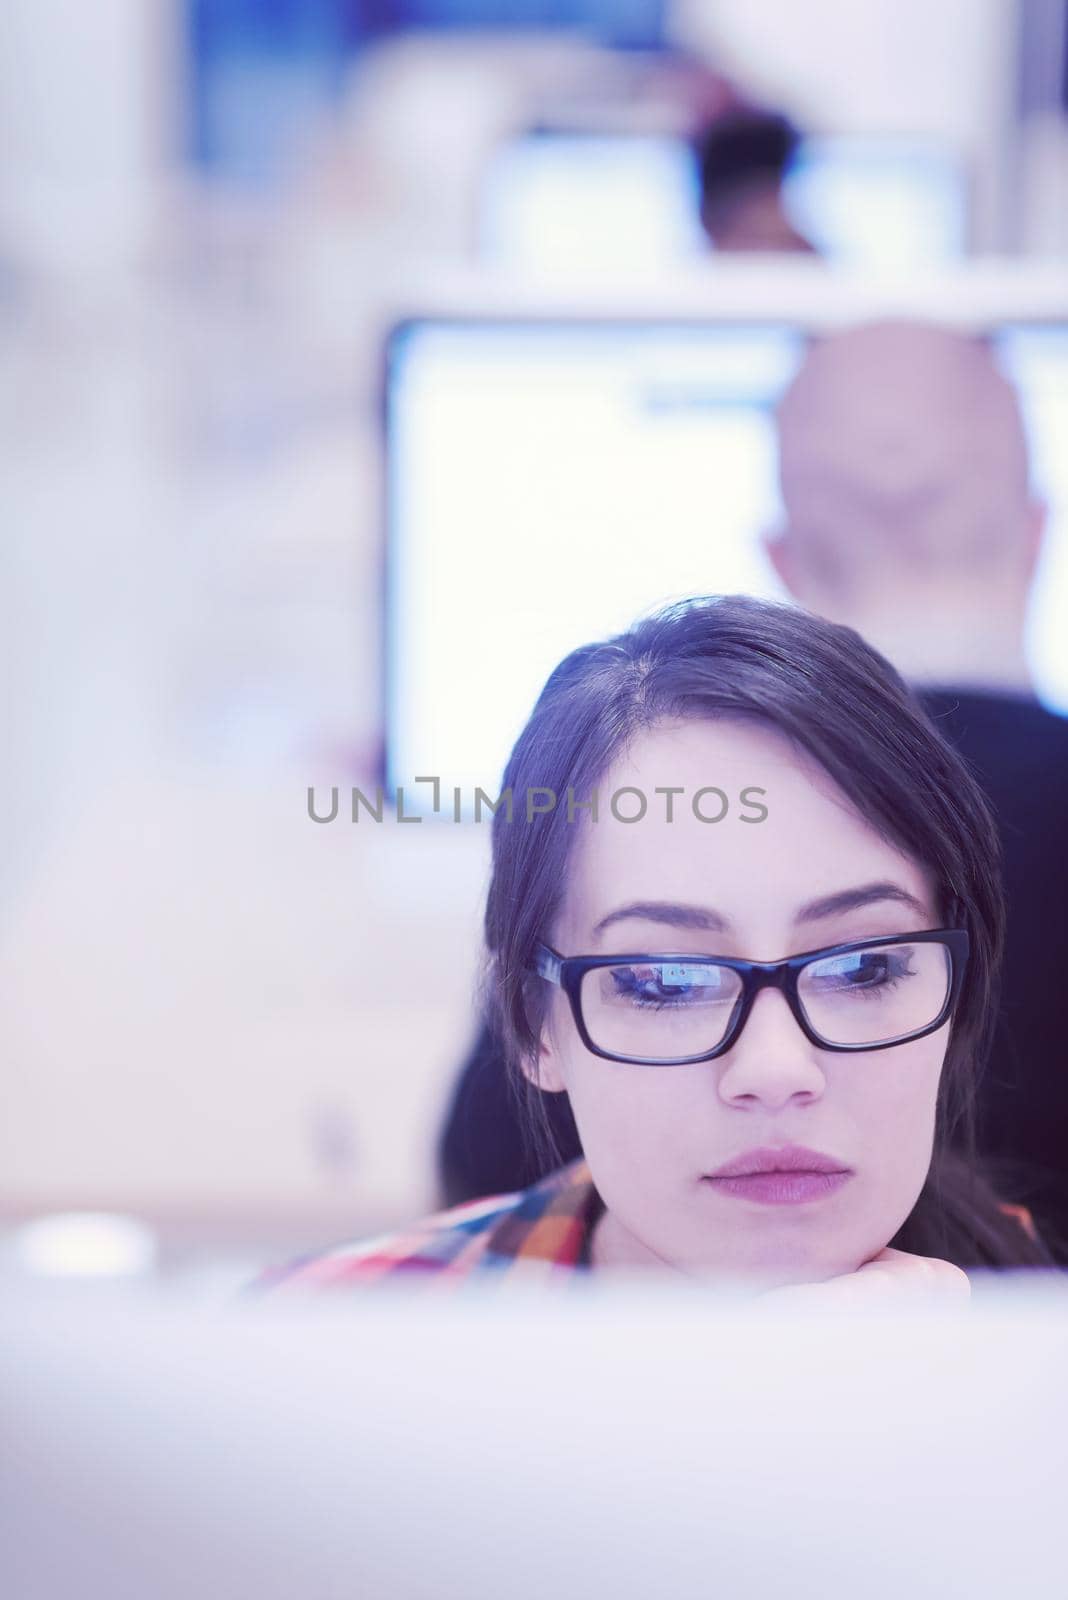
[89,119]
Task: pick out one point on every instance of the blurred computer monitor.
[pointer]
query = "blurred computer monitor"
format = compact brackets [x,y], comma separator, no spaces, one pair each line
[631,1442]
[549,481]
[555,200]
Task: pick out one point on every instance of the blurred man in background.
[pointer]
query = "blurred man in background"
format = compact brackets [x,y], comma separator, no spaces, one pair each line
[909,516]
[743,157]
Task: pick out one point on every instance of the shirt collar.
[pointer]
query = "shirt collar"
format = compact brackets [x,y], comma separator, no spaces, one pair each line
[553,1221]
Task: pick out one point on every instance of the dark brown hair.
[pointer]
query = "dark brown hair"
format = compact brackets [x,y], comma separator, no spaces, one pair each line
[840,701]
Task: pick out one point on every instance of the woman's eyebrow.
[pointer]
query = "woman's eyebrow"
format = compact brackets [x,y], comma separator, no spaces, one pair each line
[675,916]
[850,899]
[704,917]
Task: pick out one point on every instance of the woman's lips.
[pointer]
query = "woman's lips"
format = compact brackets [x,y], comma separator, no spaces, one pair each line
[781,1175]
[780,1188]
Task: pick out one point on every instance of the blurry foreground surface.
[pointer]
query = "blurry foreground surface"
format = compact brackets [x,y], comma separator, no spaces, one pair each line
[609,1441]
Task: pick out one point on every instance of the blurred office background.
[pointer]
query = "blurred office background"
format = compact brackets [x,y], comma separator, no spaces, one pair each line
[326,327]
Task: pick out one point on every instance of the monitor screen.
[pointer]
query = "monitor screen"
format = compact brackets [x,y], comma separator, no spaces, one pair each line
[550,481]
[564,201]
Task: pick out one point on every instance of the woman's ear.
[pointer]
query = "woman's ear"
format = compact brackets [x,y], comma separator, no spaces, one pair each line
[544,1073]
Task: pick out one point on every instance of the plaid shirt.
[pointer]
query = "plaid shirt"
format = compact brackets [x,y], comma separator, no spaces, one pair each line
[544,1231]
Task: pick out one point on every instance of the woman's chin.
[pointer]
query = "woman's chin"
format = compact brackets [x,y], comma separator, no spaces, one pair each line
[781,1270]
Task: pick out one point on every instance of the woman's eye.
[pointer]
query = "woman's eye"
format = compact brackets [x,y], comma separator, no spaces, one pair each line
[860,971]
[669,984]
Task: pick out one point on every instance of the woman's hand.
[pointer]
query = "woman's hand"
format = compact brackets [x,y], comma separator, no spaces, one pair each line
[891,1277]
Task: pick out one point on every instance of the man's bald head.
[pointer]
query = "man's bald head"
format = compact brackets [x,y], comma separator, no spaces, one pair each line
[904,476]
[901,451]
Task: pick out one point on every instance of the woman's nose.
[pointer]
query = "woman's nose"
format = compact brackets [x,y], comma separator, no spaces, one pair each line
[771,1062]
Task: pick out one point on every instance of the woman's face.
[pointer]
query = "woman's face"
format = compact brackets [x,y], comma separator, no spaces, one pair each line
[653,1135]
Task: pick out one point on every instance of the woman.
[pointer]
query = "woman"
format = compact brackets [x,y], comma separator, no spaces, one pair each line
[744,913]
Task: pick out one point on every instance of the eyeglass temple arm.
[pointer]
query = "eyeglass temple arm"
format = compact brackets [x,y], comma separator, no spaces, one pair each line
[547,964]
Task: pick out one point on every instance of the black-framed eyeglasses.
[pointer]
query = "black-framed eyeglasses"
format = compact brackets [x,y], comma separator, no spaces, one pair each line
[667,1010]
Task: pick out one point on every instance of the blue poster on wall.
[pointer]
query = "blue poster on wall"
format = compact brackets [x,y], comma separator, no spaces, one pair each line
[261,71]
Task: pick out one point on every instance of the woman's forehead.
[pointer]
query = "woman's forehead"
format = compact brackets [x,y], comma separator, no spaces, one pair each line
[698,747]
[757,831]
